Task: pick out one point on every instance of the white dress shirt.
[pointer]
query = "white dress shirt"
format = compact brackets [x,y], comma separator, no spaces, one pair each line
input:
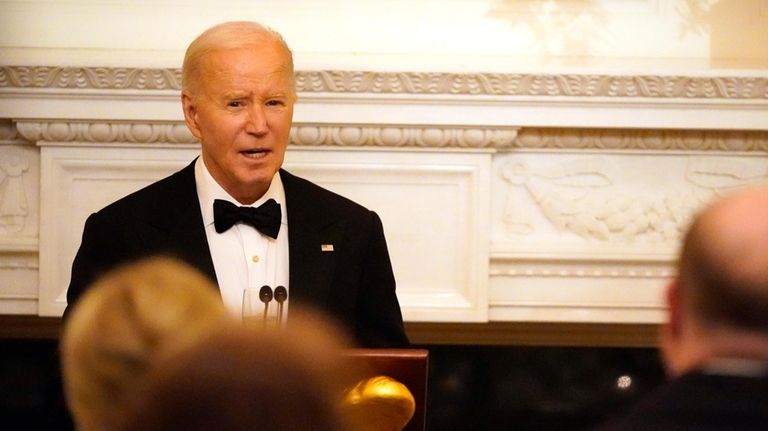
[242,256]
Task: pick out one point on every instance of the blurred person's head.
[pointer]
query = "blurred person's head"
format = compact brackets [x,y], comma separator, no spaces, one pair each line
[718,304]
[238,93]
[115,332]
[245,377]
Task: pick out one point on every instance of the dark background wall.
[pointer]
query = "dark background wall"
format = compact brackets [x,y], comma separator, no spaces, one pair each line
[470,387]
[535,388]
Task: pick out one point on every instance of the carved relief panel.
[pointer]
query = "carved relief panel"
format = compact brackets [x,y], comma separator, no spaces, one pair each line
[19,173]
[604,203]
[593,236]
[433,207]
[19,215]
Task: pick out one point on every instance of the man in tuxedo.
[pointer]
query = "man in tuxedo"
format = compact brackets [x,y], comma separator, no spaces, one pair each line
[715,343]
[236,215]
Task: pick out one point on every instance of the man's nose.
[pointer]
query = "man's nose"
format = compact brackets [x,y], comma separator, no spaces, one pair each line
[257,121]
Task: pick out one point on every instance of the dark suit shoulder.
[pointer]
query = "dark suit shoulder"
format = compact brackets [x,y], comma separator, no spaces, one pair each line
[309,193]
[138,225]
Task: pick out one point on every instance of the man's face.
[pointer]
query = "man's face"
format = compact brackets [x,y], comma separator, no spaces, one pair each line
[242,111]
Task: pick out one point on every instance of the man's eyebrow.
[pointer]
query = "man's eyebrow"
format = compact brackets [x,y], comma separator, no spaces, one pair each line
[235,94]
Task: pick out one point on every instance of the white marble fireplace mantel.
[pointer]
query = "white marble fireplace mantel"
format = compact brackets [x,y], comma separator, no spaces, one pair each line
[532,161]
[505,197]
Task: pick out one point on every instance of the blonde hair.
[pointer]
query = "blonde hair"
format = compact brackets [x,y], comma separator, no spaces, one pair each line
[244,377]
[118,328]
[229,35]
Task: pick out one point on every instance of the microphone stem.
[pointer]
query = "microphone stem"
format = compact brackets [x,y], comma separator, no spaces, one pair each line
[266,311]
[281,295]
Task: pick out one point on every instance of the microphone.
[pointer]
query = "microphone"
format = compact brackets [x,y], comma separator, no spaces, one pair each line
[281,295]
[265,295]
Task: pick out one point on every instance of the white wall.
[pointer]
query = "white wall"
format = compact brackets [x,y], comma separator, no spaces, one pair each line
[569,141]
[399,35]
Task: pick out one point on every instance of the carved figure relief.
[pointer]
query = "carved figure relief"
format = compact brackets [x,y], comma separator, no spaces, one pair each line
[579,196]
[13,199]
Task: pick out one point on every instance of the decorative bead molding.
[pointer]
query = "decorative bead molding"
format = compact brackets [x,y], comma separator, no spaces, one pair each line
[106,132]
[393,136]
[629,139]
[421,137]
[18,260]
[419,83]
[301,135]
[582,272]
[505,265]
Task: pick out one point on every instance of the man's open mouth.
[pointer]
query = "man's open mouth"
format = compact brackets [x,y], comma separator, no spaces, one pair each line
[254,154]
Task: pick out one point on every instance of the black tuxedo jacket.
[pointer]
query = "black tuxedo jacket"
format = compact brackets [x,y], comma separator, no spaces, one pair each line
[699,401]
[354,283]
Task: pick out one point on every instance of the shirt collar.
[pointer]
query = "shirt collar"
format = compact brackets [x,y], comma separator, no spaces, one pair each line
[208,190]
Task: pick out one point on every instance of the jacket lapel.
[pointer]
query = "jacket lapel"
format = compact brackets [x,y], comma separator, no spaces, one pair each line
[313,240]
[179,217]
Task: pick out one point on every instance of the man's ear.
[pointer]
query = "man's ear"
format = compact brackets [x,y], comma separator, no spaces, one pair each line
[190,114]
[670,335]
[674,311]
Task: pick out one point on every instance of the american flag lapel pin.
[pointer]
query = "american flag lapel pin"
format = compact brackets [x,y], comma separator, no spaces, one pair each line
[326,247]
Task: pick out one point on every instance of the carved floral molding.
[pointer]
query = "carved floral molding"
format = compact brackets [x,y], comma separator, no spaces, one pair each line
[417,83]
[419,137]
[100,78]
[570,85]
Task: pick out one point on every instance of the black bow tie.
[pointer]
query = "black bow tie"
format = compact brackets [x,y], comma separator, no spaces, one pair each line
[265,218]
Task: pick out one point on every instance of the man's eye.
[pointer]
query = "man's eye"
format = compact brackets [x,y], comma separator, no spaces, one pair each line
[275,103]
[235,104]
